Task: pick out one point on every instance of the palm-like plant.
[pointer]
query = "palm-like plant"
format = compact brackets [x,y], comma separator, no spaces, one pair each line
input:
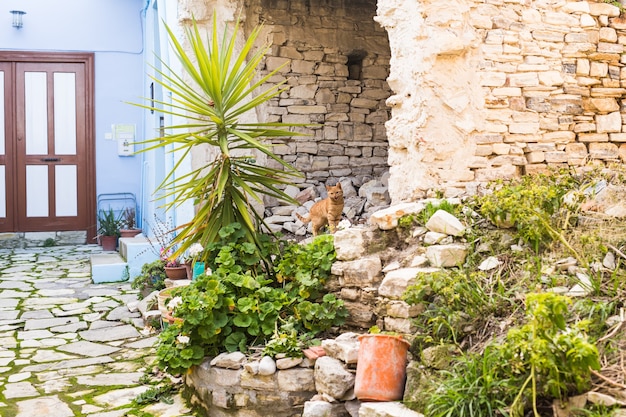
[220,92]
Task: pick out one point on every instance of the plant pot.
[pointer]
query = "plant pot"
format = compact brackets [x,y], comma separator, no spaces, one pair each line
[176,272]
[162,298]
[109,243]
[381,367]
[129,232]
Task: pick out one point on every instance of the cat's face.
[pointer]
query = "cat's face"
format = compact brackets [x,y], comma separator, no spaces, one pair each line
[335,193]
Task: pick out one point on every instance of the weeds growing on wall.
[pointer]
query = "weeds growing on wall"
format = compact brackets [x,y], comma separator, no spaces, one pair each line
[519,345]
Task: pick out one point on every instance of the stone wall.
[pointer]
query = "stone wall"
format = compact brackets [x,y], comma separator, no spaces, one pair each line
[337,62]
[498,88]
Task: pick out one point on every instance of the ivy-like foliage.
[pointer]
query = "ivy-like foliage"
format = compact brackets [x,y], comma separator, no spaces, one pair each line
[241,304]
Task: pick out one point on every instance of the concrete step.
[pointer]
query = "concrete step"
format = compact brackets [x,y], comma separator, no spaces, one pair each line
[108,267]
[137,251]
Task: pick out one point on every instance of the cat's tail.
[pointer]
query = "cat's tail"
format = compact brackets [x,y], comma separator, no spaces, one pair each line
[304,220]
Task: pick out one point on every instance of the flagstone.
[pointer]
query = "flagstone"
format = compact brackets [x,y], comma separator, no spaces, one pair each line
[47,355]
[8,303]
[8,315]
[53,342]
[120,313]
[36,324]
[88,408]
[54,293]
[70,328]
[72,363]
[10,327]
[69,372]
[44,406]
[48,301]
[106,305]
[60,313]
[17,268]
[6,353]
[34,334]
[5,361]
[110,333]
[55,385]
[99,292]
[86,348]
[114,413]
[101,324]
[36,314]
[16,285]
[19,390]
[112,379]
[8,342]
[76,306]
[19,376]
[120,397]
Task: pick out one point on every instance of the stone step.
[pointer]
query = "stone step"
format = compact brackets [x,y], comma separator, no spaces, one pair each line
[137,251]
[108,267]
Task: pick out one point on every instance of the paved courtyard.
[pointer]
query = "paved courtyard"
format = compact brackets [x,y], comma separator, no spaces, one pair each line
[69,347]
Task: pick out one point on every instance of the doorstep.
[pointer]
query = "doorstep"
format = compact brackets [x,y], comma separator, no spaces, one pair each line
[108,267]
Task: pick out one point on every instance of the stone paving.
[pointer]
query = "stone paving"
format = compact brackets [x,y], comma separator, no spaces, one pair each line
[69,347]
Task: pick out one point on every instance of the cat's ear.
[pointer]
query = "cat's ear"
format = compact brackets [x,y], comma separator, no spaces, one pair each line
[339,185]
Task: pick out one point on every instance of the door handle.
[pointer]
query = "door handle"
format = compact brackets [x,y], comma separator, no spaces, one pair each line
[50,159]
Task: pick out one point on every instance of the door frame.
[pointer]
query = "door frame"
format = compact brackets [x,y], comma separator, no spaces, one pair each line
[88,59]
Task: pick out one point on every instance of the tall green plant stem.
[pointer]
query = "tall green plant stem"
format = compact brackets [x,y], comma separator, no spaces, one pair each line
[217,87]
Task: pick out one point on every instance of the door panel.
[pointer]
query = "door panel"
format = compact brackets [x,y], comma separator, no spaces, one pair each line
[6,148]
[47,150]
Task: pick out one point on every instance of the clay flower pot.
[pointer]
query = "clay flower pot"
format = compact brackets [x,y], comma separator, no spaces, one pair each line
[176,272]
[109,243]
[381,367]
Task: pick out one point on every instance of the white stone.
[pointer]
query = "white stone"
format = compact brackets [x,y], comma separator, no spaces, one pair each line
[387,219]
[447,255]
[490,263]
[267,366]
[386,409]
[444,222]
[332,378]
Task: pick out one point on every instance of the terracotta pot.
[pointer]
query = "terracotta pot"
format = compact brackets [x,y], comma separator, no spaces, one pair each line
[129,232]
[381,367]
[109,243]
[176,272]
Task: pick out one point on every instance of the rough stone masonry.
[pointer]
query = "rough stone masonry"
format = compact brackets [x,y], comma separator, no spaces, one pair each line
[476,89]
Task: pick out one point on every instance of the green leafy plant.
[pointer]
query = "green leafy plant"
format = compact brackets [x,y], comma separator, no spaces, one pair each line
[108,223]
[155,394]
[529,204]
[215,89]
[152,277]
[454,300]
[475,386]
[552,358]
[432,207]
[238,306]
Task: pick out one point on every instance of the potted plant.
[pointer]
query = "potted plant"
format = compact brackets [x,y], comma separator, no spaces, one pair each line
[108,229]
[152,278]
[129,223]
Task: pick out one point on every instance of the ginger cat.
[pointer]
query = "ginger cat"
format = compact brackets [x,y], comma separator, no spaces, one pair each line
[327,211]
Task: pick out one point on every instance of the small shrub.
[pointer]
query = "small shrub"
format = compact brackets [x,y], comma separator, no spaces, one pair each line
[238,306]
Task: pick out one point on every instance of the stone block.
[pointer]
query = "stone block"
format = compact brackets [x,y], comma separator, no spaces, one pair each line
[611,122]
[361,272]
[296,379]
[603,151]
[446,255]
[396,282]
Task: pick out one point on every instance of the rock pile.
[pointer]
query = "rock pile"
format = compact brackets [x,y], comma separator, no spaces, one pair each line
[362,197]
[319,385]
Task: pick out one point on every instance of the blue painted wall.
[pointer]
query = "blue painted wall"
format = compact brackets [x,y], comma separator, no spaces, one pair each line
[114,31]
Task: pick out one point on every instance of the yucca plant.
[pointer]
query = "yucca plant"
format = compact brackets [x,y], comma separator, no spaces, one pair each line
[217,87]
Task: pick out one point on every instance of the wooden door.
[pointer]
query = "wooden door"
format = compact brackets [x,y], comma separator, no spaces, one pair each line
[49,149]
